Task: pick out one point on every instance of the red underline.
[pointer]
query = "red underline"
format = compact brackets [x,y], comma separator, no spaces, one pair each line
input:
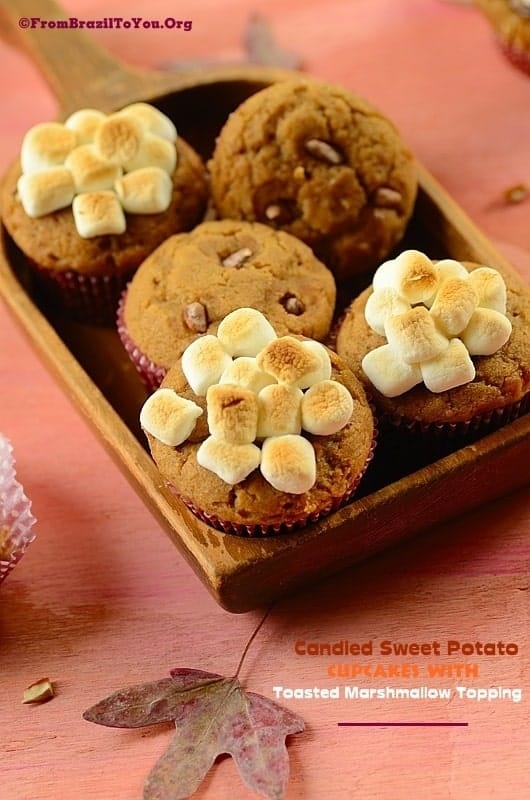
[403,724]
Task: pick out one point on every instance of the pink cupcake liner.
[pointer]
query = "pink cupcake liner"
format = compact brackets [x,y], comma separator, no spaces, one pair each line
[151,374]
[234,528]
[16,519]
[479,425]
[92,299]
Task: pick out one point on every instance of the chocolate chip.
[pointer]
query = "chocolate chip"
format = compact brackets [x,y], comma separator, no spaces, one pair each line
[281,213]
[292,304]
[237,259]
[385,197]
[196,317]
[323,151]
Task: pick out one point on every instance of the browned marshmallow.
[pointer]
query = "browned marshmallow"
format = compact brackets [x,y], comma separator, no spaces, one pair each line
[413,336]
[118,138]
[415,276]
[97,214]
[153,151]
[326,408]
[145,191]
[279,410]
[287,360]
[85,123]
[43,192]
[46,145]
[90,171]
[232,413]
[453,306]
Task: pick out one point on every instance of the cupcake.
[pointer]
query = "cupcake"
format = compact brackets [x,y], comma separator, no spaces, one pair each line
[91,198]
[442,347]
[261,443]
[16,519]
[322,164]
[193,280]
[510,20]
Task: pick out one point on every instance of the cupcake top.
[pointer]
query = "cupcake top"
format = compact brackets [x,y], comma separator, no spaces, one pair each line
[101,165]
[261,392]
[440,341]
[434,317]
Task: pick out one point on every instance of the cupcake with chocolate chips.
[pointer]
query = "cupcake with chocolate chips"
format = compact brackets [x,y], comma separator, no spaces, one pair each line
[192,281]
[442,347]
[322,164]
[260,443]
[91,198]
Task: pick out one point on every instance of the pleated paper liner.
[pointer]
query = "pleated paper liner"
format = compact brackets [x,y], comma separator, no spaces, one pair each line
[151,374]
[16,519]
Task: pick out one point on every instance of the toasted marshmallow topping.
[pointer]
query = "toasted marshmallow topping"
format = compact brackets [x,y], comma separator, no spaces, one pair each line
[96,149]
[85,123]
[152,120]
[413,335]
[288,361]
[98,214]
[145,191]
[451,368]
[232,413]
[244,332]
[279,410]
[244,372]
[153,152]
[467,305]
[488,330]
[326,408]
[230,462]
[169,417]
[44,192]
[203,362]
[46,145]
[261,398]
[388,373]
[90,171]
[288,463]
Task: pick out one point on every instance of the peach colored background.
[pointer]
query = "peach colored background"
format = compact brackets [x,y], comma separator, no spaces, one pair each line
[102,599]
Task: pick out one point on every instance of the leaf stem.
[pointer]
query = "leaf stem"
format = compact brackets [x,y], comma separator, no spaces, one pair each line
[251,639]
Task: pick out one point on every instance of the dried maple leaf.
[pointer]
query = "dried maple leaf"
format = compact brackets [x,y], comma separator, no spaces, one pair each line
[213,715]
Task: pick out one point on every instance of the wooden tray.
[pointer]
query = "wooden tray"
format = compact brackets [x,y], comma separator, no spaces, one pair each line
[398,498]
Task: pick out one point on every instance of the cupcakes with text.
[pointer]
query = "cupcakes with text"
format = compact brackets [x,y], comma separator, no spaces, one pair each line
[260,443]
[90,198]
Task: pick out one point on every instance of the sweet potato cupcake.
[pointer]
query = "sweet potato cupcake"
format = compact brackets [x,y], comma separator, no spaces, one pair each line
[89,199]
[441,346]
[510,21]
[321,164]
[262,443]
[192,281]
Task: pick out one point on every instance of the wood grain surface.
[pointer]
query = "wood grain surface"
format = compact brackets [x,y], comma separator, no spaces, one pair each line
[103,599]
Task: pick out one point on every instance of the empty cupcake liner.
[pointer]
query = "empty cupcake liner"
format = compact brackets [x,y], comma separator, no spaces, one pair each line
[151,374]
[16,519]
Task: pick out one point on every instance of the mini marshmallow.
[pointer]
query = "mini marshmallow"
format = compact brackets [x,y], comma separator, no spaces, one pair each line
[118,138]
[288,463]
[415,277]
[232,413]
[145,191]
[490,288]
[44,192]
[169,417]
[153,151]
[383,276]
[244,372]
[381,304]
[232,463]
[388,373]
[279,410]
[85,123]
[152,120]
[203,362]
[450,268]
[46,145]
[451,368]
[323,373]
[288,361]
[326,408]
[453,306]
[488,330]
[98,214]
[244,332]
[90,171]
[413,336]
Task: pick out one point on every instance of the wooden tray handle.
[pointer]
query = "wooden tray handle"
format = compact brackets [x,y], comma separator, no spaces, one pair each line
[79,72]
